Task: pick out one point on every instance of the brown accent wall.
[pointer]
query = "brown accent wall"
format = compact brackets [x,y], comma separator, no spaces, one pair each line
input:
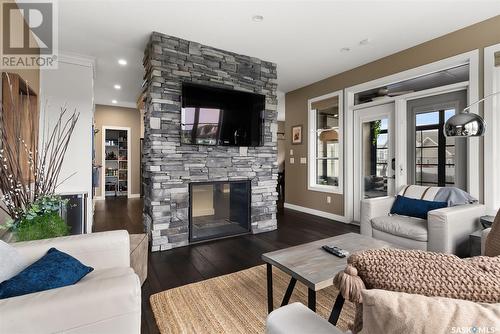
[32,76]
[477,36]
[123,117]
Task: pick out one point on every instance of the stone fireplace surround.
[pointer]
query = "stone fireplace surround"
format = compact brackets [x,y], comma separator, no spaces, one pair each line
[169,167]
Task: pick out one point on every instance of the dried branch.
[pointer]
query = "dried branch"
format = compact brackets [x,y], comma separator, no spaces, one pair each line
[20,187]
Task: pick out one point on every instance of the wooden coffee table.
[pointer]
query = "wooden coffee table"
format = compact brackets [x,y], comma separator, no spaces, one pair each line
[314,267]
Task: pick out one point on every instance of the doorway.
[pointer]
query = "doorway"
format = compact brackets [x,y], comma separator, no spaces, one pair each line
[374,161]
[116,158]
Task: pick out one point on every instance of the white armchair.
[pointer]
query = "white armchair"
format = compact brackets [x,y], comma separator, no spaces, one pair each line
[107,300]
[446,230]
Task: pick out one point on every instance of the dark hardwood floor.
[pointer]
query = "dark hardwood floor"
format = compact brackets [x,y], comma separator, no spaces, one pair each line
[180,266]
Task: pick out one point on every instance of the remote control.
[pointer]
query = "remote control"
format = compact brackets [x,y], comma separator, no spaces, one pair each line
[336,251]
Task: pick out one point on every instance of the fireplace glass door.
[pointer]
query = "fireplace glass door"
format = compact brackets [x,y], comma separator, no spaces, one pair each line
[219,209]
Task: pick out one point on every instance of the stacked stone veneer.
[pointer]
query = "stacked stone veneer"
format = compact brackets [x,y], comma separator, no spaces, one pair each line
[169,167]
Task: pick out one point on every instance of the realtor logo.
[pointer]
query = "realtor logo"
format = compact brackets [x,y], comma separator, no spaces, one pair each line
[29,34]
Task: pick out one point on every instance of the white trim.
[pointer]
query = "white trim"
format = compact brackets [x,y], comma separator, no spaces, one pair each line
[400,147]
[491,137]
[78,59]
[99,198]
[134,196]
[103,157]
[319,213]
[471,58]
[311,137]
[475,163]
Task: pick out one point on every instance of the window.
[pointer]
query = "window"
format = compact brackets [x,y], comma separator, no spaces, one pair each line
[434,153]
[325,143]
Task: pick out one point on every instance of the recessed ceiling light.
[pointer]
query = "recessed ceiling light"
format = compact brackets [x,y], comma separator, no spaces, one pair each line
[257,18]
[117,87]
[346,49]
[364,41]
[122,62]
[114,101]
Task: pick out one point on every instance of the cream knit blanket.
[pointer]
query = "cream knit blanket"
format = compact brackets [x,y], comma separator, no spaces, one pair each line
[418,272]
[425,273]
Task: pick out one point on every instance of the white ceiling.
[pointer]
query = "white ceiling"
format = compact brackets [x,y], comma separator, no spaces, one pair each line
[303,37]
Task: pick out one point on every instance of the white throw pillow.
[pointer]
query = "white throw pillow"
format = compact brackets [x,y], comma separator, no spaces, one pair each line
[11,261]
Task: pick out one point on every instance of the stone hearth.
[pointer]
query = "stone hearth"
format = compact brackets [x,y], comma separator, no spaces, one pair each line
[169,167]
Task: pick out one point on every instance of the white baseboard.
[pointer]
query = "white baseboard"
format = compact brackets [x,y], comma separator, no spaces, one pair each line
[134,195]
[99,198]
[316,212]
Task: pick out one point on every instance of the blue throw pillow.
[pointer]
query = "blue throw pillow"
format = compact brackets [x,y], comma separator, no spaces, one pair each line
[54,270]
[418,208]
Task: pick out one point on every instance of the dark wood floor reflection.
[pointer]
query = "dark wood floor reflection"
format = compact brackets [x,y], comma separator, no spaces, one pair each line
[198,262]
[118,214]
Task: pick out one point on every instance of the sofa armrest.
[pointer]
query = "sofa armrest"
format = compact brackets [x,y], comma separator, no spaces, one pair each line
[449,228]
[98,250]
[90,306]
[484,234]
[372,208]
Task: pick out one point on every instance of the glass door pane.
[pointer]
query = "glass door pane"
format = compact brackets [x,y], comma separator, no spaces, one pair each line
[376,157]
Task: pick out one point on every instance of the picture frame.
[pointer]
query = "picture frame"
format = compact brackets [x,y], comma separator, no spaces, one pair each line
[296,134]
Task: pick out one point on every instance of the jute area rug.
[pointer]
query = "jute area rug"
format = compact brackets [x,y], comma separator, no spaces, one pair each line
[234,303]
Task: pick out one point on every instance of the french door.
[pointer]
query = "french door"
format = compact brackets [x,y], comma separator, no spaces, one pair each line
[374,159]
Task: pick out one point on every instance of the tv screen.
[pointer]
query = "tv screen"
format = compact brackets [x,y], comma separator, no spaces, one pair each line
[215,116]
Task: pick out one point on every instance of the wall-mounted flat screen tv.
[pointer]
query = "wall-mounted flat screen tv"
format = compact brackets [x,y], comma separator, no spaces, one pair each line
[215,116]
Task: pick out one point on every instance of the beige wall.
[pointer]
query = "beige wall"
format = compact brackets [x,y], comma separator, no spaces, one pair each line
[470,38]
[122,117]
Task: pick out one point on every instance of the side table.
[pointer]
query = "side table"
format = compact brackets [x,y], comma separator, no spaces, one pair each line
[139,255]
[475,243]
[487,221]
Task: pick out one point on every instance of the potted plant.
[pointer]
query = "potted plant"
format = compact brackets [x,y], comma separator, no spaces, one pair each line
[29,176]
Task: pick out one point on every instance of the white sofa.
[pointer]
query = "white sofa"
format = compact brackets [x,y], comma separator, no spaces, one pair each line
[107,300]
[446,230]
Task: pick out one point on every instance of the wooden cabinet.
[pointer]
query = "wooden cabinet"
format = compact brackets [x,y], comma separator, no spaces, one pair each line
[20,118]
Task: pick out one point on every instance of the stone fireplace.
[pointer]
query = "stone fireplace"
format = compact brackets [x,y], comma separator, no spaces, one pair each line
[171,168]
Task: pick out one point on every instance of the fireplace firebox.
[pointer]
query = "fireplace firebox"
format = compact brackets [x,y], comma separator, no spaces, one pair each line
[218,209]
